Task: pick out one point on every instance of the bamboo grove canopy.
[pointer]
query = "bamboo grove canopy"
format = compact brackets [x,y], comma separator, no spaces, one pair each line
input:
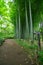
[25,15]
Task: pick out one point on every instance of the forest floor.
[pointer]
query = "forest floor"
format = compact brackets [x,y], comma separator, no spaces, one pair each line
[13,54]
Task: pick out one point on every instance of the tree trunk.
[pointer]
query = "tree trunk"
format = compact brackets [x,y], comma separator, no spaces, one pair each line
[27,24]
[31,25]
[17,28]
[19,22]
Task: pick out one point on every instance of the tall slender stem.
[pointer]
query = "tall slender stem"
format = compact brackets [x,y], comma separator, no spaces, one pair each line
[31,25]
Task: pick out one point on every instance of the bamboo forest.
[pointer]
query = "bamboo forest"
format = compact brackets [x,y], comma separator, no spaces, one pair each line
[21,32]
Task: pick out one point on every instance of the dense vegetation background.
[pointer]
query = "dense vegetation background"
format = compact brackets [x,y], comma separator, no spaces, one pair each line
[21,19]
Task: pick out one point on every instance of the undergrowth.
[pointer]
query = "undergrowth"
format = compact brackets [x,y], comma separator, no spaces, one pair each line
[34,54]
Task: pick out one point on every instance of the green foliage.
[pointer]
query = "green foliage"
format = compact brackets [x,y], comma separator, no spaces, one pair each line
[9,11]
[40,57]
[27,45]
[7,18]
[32,50]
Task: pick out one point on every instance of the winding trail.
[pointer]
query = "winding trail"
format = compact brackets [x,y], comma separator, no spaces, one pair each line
[12,54]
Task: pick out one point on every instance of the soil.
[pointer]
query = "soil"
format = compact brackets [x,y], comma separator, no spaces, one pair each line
[13,54]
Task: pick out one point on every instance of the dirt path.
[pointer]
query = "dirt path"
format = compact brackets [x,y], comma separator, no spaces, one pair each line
[12,54]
